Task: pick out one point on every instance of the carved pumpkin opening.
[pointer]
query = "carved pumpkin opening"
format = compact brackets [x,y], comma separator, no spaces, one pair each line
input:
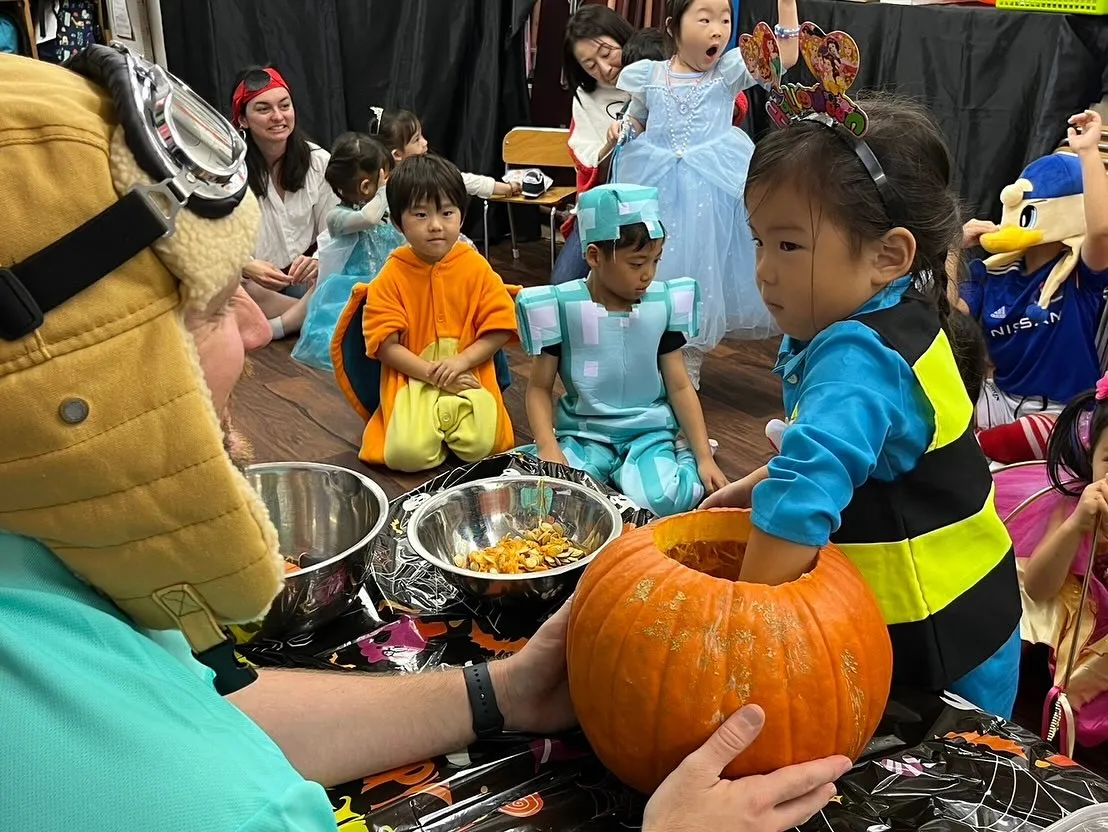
[710,543]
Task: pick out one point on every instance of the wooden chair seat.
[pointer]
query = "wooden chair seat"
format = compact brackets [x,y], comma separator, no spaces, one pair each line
[534,147]
[555,196]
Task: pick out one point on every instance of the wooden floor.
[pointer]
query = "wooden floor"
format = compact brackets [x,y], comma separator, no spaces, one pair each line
[291,412]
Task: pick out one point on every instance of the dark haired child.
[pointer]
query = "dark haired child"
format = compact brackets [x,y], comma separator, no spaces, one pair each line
[880,456]
[1057,530]
[402,133]
[434,317]
[645,45]
[621,413]
[690,151]
[359,240]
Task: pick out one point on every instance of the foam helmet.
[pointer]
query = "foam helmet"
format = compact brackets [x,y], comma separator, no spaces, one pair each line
[125,207]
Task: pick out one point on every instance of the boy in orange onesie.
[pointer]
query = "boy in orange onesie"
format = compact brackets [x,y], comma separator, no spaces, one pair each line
[434,316]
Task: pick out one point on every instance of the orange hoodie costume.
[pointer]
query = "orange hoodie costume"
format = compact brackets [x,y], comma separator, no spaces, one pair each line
[438,310]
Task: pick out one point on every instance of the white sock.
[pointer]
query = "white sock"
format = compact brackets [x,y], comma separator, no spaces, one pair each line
[277,327]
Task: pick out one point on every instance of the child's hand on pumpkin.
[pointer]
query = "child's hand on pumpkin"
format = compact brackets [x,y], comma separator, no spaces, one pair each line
[444,373]
[973,230]
[1089,125]
[711,477]
[1094,503]
[695,797]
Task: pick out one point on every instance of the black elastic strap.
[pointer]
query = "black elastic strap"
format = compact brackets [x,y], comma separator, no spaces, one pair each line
[47,279]
[231,672]
[894,208]
[487,719]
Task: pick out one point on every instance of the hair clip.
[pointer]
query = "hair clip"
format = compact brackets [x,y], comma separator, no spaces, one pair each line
[833,60]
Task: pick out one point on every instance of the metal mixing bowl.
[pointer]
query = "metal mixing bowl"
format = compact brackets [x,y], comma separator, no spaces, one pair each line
[330,513]
[475,515]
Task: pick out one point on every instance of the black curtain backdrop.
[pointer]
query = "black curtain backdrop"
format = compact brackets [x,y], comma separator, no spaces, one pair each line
[1001,84]
[458,65]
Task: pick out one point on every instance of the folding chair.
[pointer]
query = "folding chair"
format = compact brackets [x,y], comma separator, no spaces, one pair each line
[534,147]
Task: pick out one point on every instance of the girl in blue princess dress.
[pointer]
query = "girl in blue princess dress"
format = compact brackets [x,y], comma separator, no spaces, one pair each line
[362,238]
[697,160]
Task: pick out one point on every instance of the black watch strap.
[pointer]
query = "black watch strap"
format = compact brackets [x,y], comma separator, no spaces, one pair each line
[487,719]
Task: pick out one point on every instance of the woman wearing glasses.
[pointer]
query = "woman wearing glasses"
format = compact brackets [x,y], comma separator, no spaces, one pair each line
[286,174]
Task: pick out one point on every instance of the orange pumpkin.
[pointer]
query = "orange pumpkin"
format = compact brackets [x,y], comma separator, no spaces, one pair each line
[664,644]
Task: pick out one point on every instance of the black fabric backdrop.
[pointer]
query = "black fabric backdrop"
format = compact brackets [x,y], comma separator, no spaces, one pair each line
[458,65]
[1001,84]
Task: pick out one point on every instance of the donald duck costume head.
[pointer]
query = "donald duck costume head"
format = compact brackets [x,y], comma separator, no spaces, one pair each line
[1045,205]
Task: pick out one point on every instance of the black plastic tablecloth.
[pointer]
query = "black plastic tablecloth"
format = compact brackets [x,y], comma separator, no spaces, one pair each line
[932,766]
[1002,84]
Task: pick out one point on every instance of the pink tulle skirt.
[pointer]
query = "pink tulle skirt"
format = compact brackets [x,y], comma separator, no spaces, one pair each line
[1029,507]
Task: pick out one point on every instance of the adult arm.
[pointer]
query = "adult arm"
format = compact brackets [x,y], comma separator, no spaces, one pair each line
[337,727]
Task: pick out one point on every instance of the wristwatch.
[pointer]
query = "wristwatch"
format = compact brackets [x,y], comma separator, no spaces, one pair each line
[487,719]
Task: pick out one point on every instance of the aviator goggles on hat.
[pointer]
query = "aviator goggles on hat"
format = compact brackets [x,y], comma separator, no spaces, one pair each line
[193,154]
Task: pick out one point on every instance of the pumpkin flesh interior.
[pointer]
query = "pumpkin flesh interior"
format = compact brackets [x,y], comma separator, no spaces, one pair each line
[711,542]
[712,546]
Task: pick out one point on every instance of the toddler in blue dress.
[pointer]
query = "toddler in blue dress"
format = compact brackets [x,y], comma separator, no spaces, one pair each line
[615,341]
[361,238]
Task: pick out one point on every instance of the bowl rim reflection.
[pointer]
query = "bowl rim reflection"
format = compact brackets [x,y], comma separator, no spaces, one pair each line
[367,482]
[436,500]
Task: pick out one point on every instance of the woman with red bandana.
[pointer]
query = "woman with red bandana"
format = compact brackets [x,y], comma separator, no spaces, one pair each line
[286,174]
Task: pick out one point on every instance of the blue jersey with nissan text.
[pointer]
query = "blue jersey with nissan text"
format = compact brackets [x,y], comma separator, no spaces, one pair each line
[1055,358]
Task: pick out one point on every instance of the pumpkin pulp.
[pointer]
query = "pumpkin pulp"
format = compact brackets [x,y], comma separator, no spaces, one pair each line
[711,548]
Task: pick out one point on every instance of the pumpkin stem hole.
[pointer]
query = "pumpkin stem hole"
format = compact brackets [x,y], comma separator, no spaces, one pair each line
[716,558]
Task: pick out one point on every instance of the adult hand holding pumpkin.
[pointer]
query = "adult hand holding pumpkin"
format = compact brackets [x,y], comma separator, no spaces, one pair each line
[532,688]
[695,797]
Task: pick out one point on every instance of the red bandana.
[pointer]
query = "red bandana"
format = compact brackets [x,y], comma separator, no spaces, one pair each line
[244,95]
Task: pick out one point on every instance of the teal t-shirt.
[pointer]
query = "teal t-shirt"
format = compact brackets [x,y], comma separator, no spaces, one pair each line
[107,726]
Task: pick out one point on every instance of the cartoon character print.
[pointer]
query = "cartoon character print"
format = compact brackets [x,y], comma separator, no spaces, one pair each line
[394,643]
[762,55]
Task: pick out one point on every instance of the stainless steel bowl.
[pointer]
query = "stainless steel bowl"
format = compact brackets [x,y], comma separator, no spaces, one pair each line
[475,515]
[332,514]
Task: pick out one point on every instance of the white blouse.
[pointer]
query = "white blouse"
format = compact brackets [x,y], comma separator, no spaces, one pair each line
[290,225]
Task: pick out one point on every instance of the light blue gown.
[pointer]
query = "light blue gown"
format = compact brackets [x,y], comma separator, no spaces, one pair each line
[345,260]
[615,421]
[698,162]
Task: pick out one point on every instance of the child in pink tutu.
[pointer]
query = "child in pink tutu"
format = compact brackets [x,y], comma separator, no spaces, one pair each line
[1051,512]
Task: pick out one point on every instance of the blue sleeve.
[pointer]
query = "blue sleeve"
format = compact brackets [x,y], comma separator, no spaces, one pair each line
[859,411]
[684,306]
[538,315]
[972,289]
[633,79]
[735,73]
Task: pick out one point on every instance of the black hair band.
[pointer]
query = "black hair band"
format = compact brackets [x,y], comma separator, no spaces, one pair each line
[894,208]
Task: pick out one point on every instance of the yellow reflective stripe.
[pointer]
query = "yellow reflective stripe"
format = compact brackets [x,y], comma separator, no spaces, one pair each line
[914,578]
[942,384]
